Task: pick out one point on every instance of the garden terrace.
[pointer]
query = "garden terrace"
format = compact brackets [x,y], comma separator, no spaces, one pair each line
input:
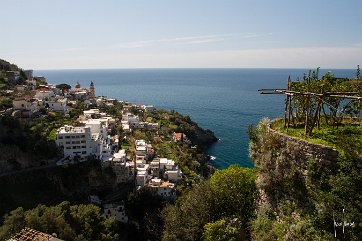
[325,135]
[313,102]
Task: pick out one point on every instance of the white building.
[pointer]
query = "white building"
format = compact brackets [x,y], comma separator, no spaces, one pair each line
[143,175]
[148,126]
[57,105]
[133,120]
[125,125]
[173,175]
[98,126]
[116,211]
[152,126]
[148,108]
[167,190]
[141,150]
[27,107]
[167,164]
[31,83]
[92,113]
[44,94]
[122,168]
[77,141]
[155,167]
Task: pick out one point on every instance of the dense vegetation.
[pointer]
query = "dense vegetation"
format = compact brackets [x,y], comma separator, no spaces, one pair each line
[144,209]
[6,98]
[6,66]
[226,200]
[301,196]
[69,222]
[325,134]
[24,143]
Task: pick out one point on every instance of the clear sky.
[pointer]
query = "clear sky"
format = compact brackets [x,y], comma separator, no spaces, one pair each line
[63,34]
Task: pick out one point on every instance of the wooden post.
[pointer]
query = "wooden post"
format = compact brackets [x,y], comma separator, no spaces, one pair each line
[306,123]
[315,118]
[291,111]
[287,106]
[286,111]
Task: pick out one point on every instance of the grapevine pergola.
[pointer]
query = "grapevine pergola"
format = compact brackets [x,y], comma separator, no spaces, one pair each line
[308,102]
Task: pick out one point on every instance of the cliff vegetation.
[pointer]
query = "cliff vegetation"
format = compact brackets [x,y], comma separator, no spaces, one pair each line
[304,188]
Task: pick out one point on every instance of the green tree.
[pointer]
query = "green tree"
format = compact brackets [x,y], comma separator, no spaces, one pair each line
[69,222]
[186,219]
[223,230]
[144,207]
[234,191]
[228,194]
[63,87]
[13,222]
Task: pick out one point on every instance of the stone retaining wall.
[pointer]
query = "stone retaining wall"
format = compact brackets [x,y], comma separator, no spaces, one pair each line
[312,150]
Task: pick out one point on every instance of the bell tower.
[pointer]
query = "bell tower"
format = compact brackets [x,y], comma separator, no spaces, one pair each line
[92,93]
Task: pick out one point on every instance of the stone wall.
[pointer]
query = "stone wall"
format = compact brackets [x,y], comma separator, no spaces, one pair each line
[319,152]
[283,164]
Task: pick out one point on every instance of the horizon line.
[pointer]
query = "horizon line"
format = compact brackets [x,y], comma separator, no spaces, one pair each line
[150,68]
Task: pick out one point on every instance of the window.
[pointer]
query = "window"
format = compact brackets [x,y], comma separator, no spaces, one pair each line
[83,146]
[74,147]
[67,137]
[83,136]
[82,142]
[84,152]
[67,142]
[68,147]
[60,137]
[73,137]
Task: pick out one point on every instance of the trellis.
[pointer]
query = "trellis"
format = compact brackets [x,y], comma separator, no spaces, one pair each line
[312,115]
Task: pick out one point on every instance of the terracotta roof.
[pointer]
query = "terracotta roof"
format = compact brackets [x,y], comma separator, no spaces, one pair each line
[28,234]
[164,184]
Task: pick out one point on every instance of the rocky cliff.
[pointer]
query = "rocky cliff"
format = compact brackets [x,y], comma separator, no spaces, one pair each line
[300,193]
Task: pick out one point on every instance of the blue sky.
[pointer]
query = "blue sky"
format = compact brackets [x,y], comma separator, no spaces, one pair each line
[63,34]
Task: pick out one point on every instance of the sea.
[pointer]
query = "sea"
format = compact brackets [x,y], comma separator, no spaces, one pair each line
[225,101]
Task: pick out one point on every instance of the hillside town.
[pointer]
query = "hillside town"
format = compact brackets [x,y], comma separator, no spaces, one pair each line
[95,134]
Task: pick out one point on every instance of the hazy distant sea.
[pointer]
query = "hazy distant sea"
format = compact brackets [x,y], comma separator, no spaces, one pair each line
[223,100]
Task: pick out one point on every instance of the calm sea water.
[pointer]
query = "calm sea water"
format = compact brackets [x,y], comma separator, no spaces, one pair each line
[223,100]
